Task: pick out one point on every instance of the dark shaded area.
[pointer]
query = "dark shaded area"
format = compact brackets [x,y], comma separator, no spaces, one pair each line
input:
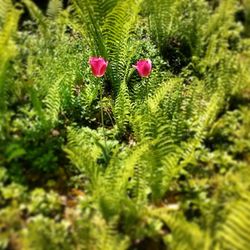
[41,4]
[149,244]
[238,100]
[214,3]
[177,52]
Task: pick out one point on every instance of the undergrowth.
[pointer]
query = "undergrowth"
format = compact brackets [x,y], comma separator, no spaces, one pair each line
[169,167]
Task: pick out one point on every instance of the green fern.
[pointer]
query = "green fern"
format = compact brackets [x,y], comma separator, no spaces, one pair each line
[165,119]
[52,101]
[184,235]
[54,8]
[122,108]
[176,27]
[37,15]
[88,14]
[7,47]
[109,27]
[5,8]
[80,144]
[116,32]
[235,232]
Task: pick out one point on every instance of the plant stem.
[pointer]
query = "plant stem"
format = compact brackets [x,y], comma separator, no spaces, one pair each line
[102,119]
[146,81]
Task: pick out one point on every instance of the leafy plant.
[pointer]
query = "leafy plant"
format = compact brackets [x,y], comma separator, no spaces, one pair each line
[167,169]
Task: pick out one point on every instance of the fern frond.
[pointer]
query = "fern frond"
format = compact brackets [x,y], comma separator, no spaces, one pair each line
[185,235]
[116,32]
[54,8]
[110,239]
[37,15]
[87,11]
[216,33]
[143,121]
[117,176]
[140,183]
[235,232]
[204,121]
[161,19]
[37,104]
[109,25]
[176,26]
[83,153]
[164,90]
[7,49]
[53,101]
[5,7]
[106,7]
[122,107]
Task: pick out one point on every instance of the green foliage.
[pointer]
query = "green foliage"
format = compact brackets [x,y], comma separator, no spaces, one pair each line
[84,141]
[122,107]
[109,26]
[235,231]
[8,26]
[177,27]
[45,233]
[167,169]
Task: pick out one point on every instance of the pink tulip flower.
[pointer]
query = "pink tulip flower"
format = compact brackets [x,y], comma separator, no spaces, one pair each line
[143,67]
[98,66]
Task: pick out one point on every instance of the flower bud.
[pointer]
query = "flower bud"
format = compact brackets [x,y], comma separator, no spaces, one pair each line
[143,67]
[98,66]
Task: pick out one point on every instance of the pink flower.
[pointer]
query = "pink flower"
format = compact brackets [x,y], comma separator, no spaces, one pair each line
[143,67]
[98,66]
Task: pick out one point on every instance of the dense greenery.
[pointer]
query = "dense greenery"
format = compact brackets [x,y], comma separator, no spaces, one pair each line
[170,167]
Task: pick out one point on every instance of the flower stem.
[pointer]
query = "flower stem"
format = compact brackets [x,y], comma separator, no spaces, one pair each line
[146,82]
[102,119]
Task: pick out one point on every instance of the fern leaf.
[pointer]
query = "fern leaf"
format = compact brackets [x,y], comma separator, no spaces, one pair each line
[116,32]
[7,50]
[53,101]
[122,107]
[121,174]
[54,8]
[185,235]
[87,11]
[235,233]
[37,15]
[5,7]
